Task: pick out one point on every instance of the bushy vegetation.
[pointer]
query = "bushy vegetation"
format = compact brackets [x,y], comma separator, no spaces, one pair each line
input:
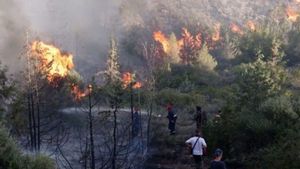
[12,158]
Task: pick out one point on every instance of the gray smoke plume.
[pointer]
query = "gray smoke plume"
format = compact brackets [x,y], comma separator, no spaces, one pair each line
[84,27]
[12,35]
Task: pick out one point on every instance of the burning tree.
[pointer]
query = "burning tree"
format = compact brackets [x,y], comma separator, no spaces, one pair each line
[191,44]
[170,48]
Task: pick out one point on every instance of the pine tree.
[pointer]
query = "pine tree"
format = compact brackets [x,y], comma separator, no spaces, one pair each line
[112,73]
[174,49]
[204,60]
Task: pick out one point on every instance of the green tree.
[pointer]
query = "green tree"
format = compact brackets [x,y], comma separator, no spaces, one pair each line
[174,49]
[204,60]
[12,158]
[6,89]
[263,41]
[259,80]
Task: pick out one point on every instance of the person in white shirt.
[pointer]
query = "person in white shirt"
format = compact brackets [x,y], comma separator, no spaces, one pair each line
[197,144]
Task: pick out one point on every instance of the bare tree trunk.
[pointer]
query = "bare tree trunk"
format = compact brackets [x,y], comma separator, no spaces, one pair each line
[38,124]
[114,139]
[33,122]
[131,108]
[149,123]
[91,133]
[30,121]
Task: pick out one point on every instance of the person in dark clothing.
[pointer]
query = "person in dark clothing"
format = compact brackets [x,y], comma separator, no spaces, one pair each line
[217,163]
[136,122]
[172,119]
[198,117]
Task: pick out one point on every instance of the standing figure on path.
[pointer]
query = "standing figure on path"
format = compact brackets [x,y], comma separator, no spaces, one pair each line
[198,117]
[172,119]
[217,163]
[198,145]
[136,122]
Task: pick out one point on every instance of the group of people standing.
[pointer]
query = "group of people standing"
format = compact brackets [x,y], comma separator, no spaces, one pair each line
[197,144]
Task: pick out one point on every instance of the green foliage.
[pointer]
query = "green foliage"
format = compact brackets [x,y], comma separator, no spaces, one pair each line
[42,162]
[259,80]
[262,41]
[12,158]
[204,60]
[6,88]
[284,153]
[179,99]
[174,49]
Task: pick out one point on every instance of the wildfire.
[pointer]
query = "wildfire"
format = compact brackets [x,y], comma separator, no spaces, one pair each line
[163,40]
[166,42]
[78,93]
[128,79]
[291,14]
[251,25]
[52,62]
[216,36]
[137,85]
[236,29]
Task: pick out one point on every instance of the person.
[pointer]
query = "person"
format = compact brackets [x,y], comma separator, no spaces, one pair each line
[172,119]
[136,122]
[197,144]
[198,117]
[217,163]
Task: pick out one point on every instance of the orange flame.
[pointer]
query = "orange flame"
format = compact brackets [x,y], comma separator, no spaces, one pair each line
[79,94]
[137,85]
[163,40]
[251,25]
[236,29]
[54,63]
[216,36]
[291,14]
[127,78]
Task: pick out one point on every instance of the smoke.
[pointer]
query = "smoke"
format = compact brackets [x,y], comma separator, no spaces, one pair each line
[12,35]
[84,27]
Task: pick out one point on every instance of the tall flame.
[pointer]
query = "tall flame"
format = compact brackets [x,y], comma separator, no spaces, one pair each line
[163,40]
[128,79]
[216,35]
[137,85]
[291,14]
[236,29]
[52,62]
[251,25]
[78,93]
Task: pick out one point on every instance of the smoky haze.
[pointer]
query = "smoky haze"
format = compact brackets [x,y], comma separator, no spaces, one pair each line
[84,27]
[12,34]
